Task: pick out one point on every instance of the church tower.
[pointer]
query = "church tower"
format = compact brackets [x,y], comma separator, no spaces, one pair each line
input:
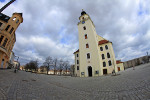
[88,46]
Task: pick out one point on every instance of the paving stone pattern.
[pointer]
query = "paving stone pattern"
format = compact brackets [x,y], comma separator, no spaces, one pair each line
[127,85]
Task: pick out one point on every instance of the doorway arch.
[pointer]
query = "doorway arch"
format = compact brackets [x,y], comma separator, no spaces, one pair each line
[90,71]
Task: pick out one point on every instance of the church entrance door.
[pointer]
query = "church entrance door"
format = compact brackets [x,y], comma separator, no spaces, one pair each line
[90,71]
[104,71]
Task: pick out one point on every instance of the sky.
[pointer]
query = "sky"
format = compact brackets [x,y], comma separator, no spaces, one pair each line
[49,27]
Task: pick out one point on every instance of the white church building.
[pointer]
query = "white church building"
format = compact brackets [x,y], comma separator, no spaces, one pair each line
[95,56]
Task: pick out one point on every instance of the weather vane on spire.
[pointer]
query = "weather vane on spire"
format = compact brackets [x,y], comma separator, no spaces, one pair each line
[5,6]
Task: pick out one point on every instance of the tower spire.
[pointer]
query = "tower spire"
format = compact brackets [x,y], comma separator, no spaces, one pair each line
[5,6]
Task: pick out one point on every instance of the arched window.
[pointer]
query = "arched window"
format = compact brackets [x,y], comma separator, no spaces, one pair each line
[103,57]
[88,55]
[101,48]
[104,64]
[87,45]
[84,28]
[106,47]
[109,62]
[85,36]
[108,55]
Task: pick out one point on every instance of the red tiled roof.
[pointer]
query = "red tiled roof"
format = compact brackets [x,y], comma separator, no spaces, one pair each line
[118,62]
[103,42]
[76,51]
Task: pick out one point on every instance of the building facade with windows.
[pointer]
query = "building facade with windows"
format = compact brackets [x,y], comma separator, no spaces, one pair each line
[8,26]
[95,56]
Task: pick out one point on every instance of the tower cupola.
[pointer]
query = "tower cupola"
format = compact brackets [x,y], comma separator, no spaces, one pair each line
[83,12]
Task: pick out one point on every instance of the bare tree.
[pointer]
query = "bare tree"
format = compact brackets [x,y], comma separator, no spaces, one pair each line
[48,62]
[66,66]
[72,70]
[55,65]
[61,65]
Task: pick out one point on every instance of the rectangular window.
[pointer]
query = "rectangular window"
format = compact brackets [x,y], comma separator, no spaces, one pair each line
[1,39]
[87,45]
[77,55]
[77,61]
[77,67]
[5,42]
[88,56]
[1,24]
[7,28]
[11,30]
[85,36]
[103,57]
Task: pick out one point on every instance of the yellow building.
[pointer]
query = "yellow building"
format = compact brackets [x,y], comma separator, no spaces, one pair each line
[95,56]
[120,65]
[8,26]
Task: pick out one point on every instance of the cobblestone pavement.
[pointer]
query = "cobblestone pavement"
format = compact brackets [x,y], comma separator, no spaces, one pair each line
[127,85]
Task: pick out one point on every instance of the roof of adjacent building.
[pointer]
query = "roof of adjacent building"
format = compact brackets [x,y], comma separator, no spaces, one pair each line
[4,17]
[76,51]
[103,42]
[118,62]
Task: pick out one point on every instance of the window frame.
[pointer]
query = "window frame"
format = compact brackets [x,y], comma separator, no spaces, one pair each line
[109,63]
[104,64]
[106,47]
[77,55]
[84,28]
[108,55]
[89,56]
[103,56]
[87,45]
[7,28]
[5,42]
[78,68]
[11,30]
[101,48]
[85,36]
[77,61]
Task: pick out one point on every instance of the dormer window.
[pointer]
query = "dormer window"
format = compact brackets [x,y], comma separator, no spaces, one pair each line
[14,18]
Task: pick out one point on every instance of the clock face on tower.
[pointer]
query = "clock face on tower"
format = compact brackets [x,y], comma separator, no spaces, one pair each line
[83,22]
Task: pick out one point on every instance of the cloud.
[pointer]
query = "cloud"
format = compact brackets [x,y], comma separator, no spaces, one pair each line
[50,27]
